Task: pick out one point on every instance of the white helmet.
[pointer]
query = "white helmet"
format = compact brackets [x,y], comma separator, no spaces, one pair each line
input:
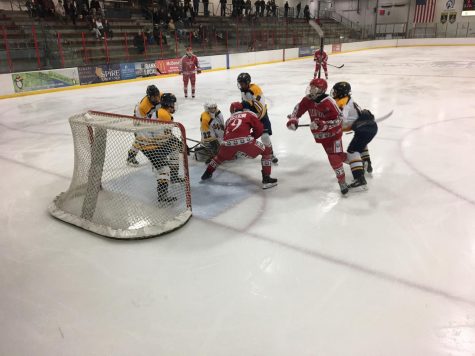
[211,107]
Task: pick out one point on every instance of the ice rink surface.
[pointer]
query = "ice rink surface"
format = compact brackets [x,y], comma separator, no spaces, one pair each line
[295,270]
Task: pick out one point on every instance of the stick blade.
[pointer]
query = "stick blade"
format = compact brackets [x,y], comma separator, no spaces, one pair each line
[384,117]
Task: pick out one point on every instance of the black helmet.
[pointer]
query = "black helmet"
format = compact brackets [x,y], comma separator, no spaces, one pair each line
[341,89]
[244,78]
[168,100]
[152,90]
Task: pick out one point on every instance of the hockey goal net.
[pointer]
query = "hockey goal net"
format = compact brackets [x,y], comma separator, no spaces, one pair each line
[111,198]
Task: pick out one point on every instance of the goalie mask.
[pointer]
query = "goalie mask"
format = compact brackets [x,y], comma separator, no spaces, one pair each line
[316,88]
[168,101]
[340,90]
[211,107]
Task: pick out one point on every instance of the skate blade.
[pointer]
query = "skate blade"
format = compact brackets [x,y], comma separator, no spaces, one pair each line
[269,185]
[361,188]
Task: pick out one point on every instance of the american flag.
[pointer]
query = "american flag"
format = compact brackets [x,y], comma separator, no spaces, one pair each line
[425,10]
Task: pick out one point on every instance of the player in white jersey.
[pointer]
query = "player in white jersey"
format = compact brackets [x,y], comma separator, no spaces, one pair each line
[212,130]
[365,128]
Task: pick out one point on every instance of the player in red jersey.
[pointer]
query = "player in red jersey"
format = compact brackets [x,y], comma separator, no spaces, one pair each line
[325,125]
[242,130]
[189,66]
[320,57]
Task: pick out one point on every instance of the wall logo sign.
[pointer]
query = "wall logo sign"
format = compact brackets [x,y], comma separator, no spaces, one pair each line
[450,4]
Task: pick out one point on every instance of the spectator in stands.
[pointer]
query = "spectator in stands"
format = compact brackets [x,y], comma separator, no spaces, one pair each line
[273,8]
[180,10]
[73,11]
[286,9]
[205,5]
[306,13]
[149,36]
[138,42]
[223,7]
[196,5]
[98,28]
[95,8]
[248,7]
[107,29]
[189,15]
[59,11]
[171,27]
[298,7]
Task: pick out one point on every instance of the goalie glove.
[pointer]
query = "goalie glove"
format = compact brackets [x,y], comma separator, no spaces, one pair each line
[293,124]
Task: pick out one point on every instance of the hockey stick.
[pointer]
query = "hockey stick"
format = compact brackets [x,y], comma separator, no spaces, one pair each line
[339,67]
[190,139]
[379,119]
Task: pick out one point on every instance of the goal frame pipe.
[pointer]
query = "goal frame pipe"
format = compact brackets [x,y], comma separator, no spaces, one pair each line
[183,133]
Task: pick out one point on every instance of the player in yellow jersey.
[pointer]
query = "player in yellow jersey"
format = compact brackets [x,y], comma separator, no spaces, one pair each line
[364,126]
[212,130]
[145,109]
[163,149]
[253,95]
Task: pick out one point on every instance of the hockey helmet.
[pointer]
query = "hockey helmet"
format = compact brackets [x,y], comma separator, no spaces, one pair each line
[189,51]
[316,87]
[153,94]
[211,107]
[244,80]
[236,106]
[168,101]
[340,90]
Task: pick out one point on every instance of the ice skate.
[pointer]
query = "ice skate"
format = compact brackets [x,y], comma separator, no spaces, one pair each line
[268,182]
[132,159]
[359,184]
[344,188]
[367,166]
[206,175]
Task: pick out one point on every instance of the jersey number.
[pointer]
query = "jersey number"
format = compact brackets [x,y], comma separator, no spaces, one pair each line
[234,124]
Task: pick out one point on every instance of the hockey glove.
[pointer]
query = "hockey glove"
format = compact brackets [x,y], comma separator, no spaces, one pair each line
[293,124]
[180,72]
[199,71]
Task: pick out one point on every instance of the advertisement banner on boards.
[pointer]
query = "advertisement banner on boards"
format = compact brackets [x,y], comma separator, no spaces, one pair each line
[145,69]
[127,71]
[307,51]
[45,79]
[168,66]
[336,47]
[205,63]
[99,73]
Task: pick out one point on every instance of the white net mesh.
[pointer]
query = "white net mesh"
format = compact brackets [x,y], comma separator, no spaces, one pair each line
[130,177]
